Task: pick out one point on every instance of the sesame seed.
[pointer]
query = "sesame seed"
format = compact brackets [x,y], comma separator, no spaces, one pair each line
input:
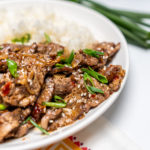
[111,48]
[79,86]
[90,95]
[99,48]
[84,94]
[51,121]
[63,115]
[104,68]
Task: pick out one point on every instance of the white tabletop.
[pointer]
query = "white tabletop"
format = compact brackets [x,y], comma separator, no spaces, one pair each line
[130,113]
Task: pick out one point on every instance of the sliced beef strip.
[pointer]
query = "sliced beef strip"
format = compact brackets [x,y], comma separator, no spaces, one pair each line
[45,96]
[51,49]
[25,113]
[95,99]
[9,121]
[109,49]
[23,130]
[63,85]
[81,58]
[65,70]
[115,75]
[47,92]
[20,130]
[51,114]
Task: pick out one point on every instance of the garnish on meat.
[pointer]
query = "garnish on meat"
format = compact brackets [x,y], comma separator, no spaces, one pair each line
[42,87]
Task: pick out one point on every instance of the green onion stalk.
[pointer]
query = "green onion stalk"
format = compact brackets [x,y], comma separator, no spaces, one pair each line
[131,23]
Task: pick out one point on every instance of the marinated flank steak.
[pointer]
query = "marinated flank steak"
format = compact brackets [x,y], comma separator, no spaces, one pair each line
[42,86]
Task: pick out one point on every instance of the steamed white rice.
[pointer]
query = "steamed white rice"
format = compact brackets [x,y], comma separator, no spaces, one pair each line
[16,22]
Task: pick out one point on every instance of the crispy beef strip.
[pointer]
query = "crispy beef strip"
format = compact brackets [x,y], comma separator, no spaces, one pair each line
[50,49]
[18,131]
[109,49]
[63,85]
[115,75]
[9,121]
[64,70]
[45,96]
[51,114]
[23,130]
[47,92]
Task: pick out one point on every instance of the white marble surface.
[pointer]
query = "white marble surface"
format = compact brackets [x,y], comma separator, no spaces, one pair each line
[130,113]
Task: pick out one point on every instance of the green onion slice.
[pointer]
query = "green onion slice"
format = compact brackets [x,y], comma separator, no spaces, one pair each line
[91,89]
[55,104]
[93,53]
[59,66]
[70,59]
[12,66]
[24,39]
[87,77]
[36,125]
[59,53]
[48,40]
[58,99]
[95,90]
[2,107]
[95,74]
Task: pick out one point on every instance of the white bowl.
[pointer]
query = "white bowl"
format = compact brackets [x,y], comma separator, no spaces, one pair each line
[104,30]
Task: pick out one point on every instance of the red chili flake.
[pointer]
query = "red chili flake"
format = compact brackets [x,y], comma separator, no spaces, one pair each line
[37,110]
[73,83]
[6,88]
[93,95]
[116,77]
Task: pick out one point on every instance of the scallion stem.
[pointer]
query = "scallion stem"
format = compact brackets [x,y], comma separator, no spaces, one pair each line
[2,107]
[40,128]
[35,124]
[130,23]
[124,23]
[55,104]
[133,37]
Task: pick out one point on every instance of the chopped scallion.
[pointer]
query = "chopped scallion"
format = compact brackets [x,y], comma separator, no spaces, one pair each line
[70,59]
[12,66]
[93,53]
[55,104]
[24,39]
[48,40]
[95,74]
[95,90]
[35,124]
[2,107]
[59,53]
[58,99]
